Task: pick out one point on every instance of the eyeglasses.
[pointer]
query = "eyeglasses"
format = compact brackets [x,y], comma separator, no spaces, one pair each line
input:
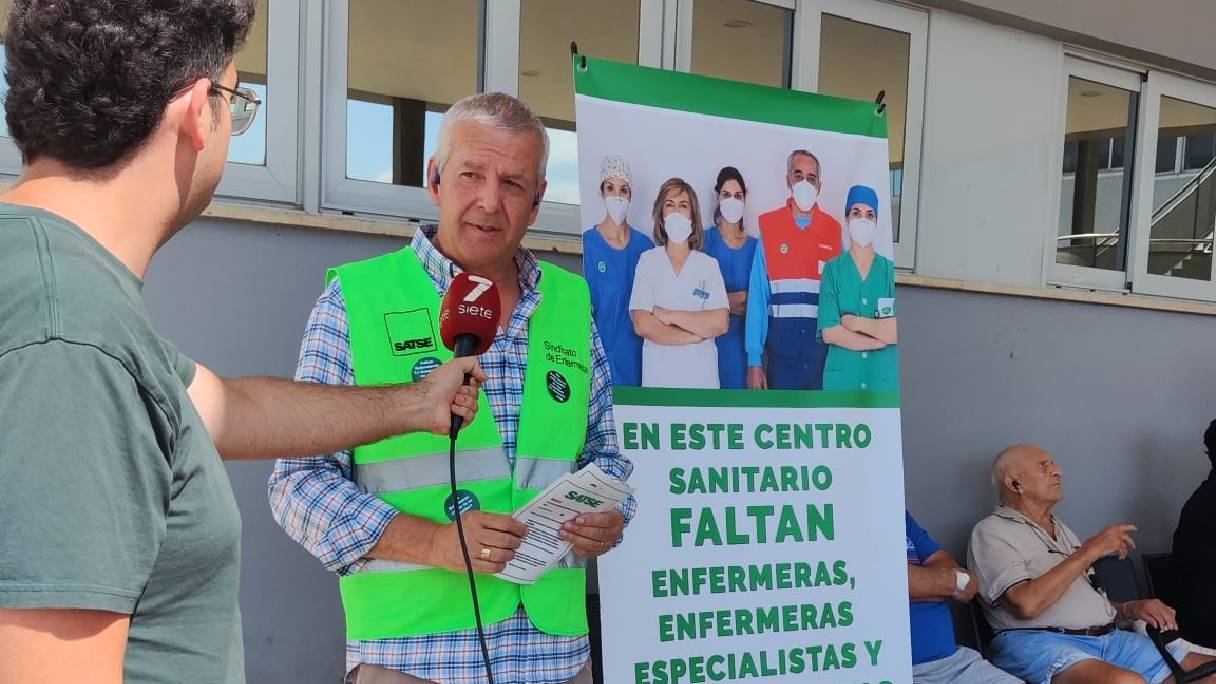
[243,106]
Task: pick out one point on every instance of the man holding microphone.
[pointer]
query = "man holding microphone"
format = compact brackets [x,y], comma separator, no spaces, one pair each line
[384,525]
[119,533]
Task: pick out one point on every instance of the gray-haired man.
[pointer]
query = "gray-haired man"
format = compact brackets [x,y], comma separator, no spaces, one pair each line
[797,240]
[1053,622]
[389,535]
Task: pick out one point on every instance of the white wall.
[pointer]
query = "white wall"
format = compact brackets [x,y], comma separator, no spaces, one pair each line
[989,159]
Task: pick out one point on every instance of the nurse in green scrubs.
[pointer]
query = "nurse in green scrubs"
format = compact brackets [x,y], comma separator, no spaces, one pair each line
[857,306]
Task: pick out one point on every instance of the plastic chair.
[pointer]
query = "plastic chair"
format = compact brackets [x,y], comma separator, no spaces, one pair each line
[983,631]
[1118,578]
[1159,571]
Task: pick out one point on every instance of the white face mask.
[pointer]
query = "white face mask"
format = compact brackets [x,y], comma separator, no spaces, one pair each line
[617,208]
[678,227]
[862,231]
[805,195]
[731,209]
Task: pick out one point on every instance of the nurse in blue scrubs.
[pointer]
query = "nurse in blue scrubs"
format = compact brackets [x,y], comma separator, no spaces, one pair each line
[728,242]
[611,249]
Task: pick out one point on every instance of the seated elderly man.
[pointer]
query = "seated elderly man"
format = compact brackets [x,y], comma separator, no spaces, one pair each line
[1040,593]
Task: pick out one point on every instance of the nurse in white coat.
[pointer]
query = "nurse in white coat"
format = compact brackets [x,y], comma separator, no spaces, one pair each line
[678,302]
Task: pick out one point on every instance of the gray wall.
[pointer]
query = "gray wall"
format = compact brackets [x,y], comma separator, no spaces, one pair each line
[1120,396]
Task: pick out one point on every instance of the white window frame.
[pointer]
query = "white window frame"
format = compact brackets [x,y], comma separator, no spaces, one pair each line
[654,25]
[349,195]
[10,156]
[277,180]
[683,30]
[804,76]
[1161,85]
[499,71]
[915,23]
[1144,164]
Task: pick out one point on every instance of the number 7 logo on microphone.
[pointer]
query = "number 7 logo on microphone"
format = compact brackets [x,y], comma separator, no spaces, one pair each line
[483,284]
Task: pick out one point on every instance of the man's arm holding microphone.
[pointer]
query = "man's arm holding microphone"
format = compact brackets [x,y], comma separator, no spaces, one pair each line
[260,417]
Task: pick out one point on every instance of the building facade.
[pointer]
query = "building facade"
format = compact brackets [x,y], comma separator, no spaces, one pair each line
[1052,165]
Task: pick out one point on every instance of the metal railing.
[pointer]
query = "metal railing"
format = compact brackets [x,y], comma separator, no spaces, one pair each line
[1090,248]
[1097,244]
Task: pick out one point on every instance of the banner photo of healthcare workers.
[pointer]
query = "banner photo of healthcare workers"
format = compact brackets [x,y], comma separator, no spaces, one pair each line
[739,247]
[737,239]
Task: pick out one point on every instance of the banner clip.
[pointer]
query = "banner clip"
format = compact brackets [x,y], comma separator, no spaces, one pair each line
[882,107]
[582,59]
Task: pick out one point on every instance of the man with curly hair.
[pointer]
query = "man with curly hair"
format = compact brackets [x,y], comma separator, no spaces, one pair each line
[119,533]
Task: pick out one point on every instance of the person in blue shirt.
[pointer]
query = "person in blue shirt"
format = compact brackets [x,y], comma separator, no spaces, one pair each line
[728,242]
[934,578]
[611,249]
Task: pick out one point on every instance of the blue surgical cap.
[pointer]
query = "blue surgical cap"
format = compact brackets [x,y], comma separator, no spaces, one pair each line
[861,194]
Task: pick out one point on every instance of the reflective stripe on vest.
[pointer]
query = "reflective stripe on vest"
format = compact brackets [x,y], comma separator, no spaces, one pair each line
[392,306]
[783,285]
[471,466]
[793,311]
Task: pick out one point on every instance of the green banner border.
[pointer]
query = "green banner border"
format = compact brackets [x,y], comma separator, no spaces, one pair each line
[668,89]
[664,396]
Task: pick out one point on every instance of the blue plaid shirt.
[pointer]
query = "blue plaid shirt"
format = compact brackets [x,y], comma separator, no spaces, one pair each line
[320,506]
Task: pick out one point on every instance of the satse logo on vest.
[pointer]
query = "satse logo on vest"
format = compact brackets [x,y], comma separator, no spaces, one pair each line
[410,332]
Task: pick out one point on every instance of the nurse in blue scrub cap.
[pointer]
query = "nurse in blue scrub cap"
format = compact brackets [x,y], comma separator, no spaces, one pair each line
[611,249]
[857,306]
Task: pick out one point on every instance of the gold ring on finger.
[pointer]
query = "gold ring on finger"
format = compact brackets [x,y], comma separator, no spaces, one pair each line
[485,553]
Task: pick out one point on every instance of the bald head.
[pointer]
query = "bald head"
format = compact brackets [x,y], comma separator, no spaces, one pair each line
[1026,470]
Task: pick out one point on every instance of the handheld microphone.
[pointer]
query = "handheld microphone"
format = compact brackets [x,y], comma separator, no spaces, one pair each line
[468,320]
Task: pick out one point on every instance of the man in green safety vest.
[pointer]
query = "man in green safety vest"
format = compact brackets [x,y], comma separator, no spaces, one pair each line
[381,516]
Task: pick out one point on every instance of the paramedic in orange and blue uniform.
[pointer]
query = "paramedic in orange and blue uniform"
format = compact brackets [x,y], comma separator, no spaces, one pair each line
[797,241]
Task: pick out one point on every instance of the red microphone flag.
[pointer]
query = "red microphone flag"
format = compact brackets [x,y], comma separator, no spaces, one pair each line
[470,307]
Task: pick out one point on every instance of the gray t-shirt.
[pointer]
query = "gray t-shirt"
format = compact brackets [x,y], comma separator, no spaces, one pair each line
[1008,548]
[112,495]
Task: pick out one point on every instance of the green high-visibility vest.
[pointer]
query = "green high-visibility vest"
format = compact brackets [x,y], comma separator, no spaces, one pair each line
[393,310]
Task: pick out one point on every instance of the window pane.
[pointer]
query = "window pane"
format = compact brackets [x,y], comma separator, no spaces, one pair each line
[407,62]
[1184,205]
[1200,149]
[603,29]
[250,147]
[742,40]
[4,5]
[1117,148]
[3,88]
[857,60]
[1167,154]
[1070,156]
[1094,206]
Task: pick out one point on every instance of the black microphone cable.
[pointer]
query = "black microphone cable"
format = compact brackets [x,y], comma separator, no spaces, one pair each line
[464,546]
